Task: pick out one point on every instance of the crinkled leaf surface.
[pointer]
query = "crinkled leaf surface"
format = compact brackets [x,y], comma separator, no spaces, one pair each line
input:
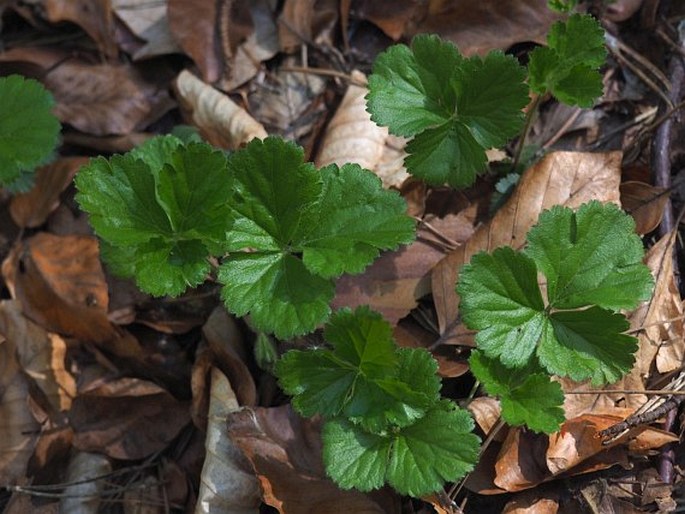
[455,108]
[527,395]
[500,297]
[567,67]
[588,344]
[363,376]
[415,460]
[164,206]
[29,131]
[590,257]
[302,227]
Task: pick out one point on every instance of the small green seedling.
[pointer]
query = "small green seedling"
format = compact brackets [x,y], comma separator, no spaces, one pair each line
[384,418]
[29,132]
[592,263]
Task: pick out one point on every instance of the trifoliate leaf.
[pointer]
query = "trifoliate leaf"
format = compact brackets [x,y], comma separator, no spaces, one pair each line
[590,257]
[416,460]
[500,297]
[301,227]
[164,206]
[455,107]
[29,132]
[364,376]
[527,395]
[588,344]
[567,67]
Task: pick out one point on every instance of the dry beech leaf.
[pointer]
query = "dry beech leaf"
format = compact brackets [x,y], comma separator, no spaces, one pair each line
[18,429]
[99,99]
[125,420]
[478,26]
[227,483]
[285,452]
[533,502]
[559,178]
[60,283]
[305,21]
[95,18]
[41,356]
[147,20]
[394,22]
[351,136]
[30,210]
[217,117]
[645,203]
[661,341]
[396,280]
[85,492]
[486,412]
[226,342]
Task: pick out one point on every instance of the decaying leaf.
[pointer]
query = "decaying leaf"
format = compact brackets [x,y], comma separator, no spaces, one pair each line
[645,203]
[227,483]
[285,452]
[84,473]
[218,118]
[559,178]
[147,20]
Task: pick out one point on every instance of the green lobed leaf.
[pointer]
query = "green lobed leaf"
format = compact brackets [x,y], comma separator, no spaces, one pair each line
[162,205]
[363,377]
[455,108]
[500,298]
[590,257]
[301,227]
[416,460]
[527,395]
[567,67]
[588,344]
[29,132]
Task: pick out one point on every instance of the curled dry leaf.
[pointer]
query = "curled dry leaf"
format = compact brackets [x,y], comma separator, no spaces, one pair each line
[227,483]
[95,18]
[147,20]
[127,422]
[18,429]
[60,283]
[302,22]
[41,356]
[533,502]
[351,136]
[477,26]
[559,178]
[645,203]
[100,99]
[217,117]
[285,452]
[30,210]
[486,412]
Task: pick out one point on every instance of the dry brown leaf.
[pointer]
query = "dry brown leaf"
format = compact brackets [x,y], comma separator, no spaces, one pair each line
[477,26]
[217,117]
[351,136]
[226,342]
[306,21]
[84,495]
[227,483]
[60,282]
[486,412]
[645,203]
[395,21]
[29,210]
[147,20]
[100,99]
[285,452]
[41,356]
[18,429]
[533,502]
[559,178]
[125,420]
[94,17]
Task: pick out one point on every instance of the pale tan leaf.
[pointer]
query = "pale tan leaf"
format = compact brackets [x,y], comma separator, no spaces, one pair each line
[227,484]
[147,20]
[559,178]
[220,120]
